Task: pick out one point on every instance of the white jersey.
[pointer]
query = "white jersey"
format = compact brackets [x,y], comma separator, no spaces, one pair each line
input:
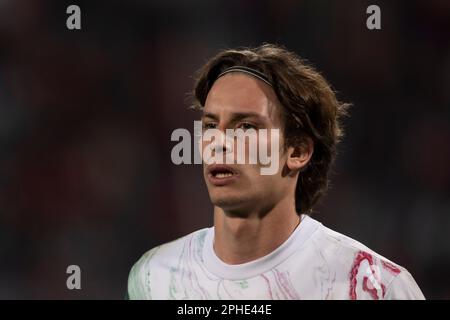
[313,263]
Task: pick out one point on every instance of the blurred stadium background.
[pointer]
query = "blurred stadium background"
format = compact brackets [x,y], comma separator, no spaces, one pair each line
[86,117]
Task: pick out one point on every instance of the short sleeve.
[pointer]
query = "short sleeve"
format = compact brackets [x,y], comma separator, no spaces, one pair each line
[138,285]
[404,287]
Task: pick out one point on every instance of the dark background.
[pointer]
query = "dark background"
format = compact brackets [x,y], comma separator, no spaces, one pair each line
[86,117]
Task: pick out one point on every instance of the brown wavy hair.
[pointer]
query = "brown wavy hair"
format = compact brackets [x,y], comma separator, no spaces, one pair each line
[309,109]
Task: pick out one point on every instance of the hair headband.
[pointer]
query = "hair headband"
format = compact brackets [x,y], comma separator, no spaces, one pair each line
[255,73]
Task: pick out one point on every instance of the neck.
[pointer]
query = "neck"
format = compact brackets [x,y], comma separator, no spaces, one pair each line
[241,239]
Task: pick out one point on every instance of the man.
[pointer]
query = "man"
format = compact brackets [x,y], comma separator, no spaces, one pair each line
[264,244]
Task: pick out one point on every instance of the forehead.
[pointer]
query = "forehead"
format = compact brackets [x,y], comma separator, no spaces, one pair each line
[237,92]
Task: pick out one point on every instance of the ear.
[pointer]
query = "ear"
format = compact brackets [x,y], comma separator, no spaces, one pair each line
[298,157]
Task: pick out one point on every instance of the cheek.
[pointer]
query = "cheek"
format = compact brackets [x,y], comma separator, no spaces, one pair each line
[259,147]
[202,145]
[264,186]
[271,155]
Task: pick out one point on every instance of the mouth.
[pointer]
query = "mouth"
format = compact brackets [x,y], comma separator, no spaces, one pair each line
[220,175]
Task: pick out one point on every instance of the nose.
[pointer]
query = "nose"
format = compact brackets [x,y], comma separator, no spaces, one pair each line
[221,144]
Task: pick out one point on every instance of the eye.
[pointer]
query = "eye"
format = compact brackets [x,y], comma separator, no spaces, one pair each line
[246,126]
[208,125]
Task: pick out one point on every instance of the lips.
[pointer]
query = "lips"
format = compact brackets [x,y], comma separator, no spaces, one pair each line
[220,175]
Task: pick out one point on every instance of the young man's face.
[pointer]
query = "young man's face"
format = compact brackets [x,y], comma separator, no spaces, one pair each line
[240,101]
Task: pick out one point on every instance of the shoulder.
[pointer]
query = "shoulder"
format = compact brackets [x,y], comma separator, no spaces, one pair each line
[160,258]
[360,272]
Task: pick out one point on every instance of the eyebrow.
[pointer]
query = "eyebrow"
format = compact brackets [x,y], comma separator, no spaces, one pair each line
[236,116]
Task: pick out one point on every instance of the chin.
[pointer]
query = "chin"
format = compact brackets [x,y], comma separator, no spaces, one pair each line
[225,202]
[238,205]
